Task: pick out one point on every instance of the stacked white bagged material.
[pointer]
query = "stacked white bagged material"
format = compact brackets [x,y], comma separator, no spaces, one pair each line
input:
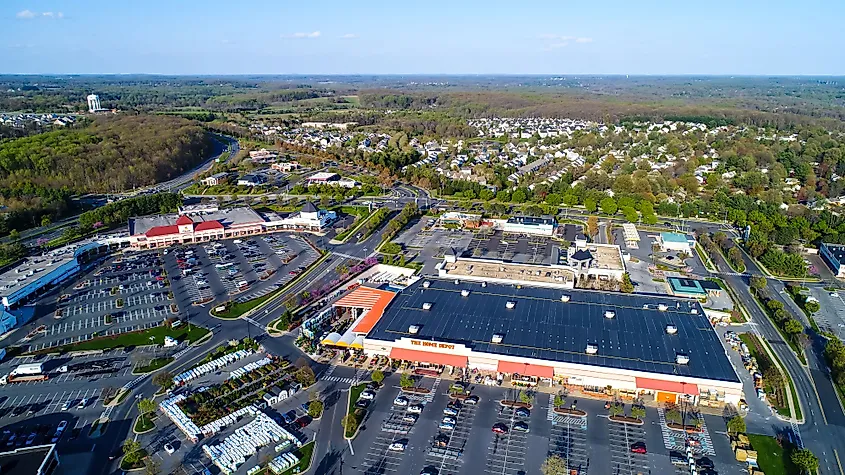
[183,422]
[245,441]
[283,462]
[211,366]
[237,373]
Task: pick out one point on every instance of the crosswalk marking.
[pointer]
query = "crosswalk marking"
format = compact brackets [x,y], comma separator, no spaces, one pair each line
[338,379]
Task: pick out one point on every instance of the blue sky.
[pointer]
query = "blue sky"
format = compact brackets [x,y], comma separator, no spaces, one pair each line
[432,36]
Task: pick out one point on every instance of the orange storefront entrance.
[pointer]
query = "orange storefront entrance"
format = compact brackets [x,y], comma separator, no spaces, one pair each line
[430,357]
[670,398]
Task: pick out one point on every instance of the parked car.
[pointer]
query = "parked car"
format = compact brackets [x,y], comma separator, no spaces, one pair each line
[415,408]
[82,403]
[303,421]
[639,448]
[397,446]
[450,411]
[31,438]
[369,395]
[169,448]
[289,416]
[362,403]
[472,400]
[500,428]
[445,426]
[428,471]
[522,412]
[66,405]
[449,420]
[520,426]
[410,418]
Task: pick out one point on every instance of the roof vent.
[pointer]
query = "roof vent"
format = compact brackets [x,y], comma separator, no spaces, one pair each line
[671,329]
[694,311]
[609,314]
[457,281]
[484,284]
[427,306]
[565,298]
[592,349]
[510,304]
[426,284]
[681,359]
[414,329]
[662,307]
[465,293]
[497,338]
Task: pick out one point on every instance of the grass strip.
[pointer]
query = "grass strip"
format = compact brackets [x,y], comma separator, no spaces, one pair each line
[152,336]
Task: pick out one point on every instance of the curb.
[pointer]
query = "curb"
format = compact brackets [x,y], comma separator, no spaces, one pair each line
[142,432]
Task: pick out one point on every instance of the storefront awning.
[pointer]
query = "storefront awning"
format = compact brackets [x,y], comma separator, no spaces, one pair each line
[429,357]
[526,369]
[358,343]
[331,338]
[667,386]
[373,301]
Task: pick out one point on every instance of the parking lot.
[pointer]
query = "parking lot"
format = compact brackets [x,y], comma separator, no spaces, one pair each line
[591,445]
[125,294]
[237,269]
[831,314]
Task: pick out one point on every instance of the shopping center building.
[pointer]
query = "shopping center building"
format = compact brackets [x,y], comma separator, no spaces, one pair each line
[647,346]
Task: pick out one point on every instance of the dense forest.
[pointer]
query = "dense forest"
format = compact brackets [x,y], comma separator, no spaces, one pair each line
[39,174]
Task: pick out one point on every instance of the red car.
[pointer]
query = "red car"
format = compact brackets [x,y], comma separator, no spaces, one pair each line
[303,421]
[500,428]
[639,448]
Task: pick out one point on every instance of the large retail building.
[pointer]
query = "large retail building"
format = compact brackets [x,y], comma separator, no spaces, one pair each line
[638,345]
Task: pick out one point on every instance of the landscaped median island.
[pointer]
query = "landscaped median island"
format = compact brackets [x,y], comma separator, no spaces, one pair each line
[153,365]
[152,336]
[354,415]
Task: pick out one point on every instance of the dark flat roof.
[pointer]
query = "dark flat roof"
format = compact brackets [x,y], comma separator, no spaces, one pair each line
[837,251]
[24,461]
[541,326]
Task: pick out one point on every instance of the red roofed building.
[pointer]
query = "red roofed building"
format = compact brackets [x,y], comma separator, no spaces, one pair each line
[147,233]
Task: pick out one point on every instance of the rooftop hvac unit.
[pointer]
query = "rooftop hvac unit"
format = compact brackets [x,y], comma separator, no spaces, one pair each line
[427,306]
[662,307]
[609,314]
[681,359]
[694,311]
[414,329]
[484,284]
[565,298]
[592,349]
[457,281]
[510,304]
[497,338]
[671,329]
[465,293]
[426,284]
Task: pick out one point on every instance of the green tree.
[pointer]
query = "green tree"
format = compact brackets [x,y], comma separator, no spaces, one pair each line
[524,397]
[805,460]
[377,376]
[45,220]
[152,466]
[608,206]
[638,412]
[616,409]
[405,381]
[132,451]
[736,425]
[558,401]
[626,286]
[554,465]
[793,327]
[315,409]
[812,306]
[590,204]
[553,199]
[163,379]
[349,422]
[758,283]
[146,406]
[631,214]
[518,196]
